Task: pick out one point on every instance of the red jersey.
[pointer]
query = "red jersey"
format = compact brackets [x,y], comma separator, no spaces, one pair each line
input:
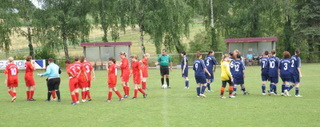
[144,68]
[12,72]
[29,69]
[78,66]
[136,67]
[125,66]
[72,70]
[112,74]
[87,68]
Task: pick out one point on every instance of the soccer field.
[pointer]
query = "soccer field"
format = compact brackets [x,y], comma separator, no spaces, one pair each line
[166,107]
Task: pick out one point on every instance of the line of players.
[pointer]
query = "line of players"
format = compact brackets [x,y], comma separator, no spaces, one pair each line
[80,76]
[233,72]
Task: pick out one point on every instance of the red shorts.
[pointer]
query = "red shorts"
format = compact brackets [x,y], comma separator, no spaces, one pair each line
[29,81]
[125,77]
[12,83]
[112,85]
[73,84]
[145,73]
[89,83]
[82,83]
[136,79]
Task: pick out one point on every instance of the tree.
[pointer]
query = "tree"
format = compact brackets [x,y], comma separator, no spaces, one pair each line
[26,10]
[307,26]
[69,21]
[8,22]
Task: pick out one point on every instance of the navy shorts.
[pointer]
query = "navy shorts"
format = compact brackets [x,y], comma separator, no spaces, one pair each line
[238,80]
[264,77]
[211,75]
[185,73]
[286,79]
[295,78]
[274,79]
[201,79]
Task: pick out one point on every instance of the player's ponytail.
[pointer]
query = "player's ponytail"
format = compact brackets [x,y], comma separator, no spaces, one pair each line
[286,54]
[210,52]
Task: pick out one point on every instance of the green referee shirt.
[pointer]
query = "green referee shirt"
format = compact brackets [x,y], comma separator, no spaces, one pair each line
[164,60]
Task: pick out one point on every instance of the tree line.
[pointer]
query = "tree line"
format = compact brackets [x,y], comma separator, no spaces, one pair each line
[58,24]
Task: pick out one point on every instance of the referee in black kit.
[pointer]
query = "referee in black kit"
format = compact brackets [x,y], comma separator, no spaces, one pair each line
[53,81]
[164,61]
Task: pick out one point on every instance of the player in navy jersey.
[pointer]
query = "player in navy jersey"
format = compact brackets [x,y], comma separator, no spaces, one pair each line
[237,70]
[273,72]
[264,63]
[199,72]
[211,63]
[184,68]
[285,74]
[296,72]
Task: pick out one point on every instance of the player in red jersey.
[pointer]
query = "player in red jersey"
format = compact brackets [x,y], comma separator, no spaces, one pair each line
[112,79]
[83,81]
[137,76]
[12,78]
[89,70]
[28,77]
[125,73]
[73,73]
[145,66]
[78,65]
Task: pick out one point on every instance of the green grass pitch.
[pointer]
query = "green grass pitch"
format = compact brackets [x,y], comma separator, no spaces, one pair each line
[167,107]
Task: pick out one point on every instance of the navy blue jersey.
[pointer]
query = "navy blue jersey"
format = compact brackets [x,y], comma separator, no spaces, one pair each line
[296,63]
[210,61]
[285,67]
[184,61]
[231,66]
[273,66]
[198,67]
[237,68]
[264,63]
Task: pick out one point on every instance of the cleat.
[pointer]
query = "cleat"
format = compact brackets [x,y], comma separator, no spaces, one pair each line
[78,102]
[108,101]
[47,100]
[210,90]
[73,104]
[13,99]
[32,99]
[232,96]
[145,95]
[222,97]
[269,92]
[126,96]
[298,95]
[121,99]
[186,87]
[282,94]
[286,93]
[235,94]
[246,93]
[83,100]
[169,87]
[59,100]
[134,98]
[202,95]
[263,94]
[89,100]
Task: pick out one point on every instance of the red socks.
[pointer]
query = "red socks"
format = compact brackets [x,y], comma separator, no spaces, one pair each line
[124,90]
[31,94]
[11,93]
[135,93]
[77,96]
[74,98]
[28,94]
[128,90]
[118,93]
[83,93]
[109,95]
[53,93]
[88,94]
[144,85]
[230,90]
[222,91]
[141,90]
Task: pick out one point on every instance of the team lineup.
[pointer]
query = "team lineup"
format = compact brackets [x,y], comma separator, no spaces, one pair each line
[81,73]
